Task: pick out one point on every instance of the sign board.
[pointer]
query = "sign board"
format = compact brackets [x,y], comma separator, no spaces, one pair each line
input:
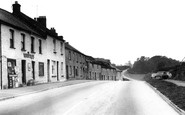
[27,55]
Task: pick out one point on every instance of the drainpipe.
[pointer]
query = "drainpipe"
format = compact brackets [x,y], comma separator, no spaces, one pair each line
[1,59]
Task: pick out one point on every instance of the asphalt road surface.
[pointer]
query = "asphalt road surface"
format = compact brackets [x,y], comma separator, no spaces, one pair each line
[91,98]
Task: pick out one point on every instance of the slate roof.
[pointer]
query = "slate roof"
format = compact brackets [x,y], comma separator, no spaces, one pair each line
[23,22]
[8,19]
[68,46]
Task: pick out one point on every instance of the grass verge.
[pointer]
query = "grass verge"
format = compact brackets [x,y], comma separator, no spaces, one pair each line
[175,93]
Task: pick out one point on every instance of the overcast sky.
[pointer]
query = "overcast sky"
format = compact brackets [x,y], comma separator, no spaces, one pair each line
[119,30]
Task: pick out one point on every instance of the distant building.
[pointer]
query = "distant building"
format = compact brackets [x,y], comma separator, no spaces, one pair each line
[29,50]
[76,67]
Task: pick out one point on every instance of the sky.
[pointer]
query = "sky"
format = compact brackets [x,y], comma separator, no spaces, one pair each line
[119,30]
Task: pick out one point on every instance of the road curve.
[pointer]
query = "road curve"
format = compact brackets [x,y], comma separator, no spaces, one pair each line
[91,98]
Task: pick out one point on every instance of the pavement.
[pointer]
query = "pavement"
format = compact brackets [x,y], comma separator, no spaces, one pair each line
[177,82]
[21,91]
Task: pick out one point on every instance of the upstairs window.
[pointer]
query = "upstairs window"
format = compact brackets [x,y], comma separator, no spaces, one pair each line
[40,46]
[32,45]
[54,44]
[69,56]
[23,42]
[61,48]
[11,38]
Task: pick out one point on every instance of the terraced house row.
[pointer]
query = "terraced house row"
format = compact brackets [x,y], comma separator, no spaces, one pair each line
[30,52]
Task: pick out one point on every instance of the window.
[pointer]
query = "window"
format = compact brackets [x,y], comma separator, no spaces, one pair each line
[62,68]
[54,44]
[11,38]
[41,69]
[40,46]
[69,56]
[53,69]
[61,48]
[77,58]
[23,42]
[32,45]
[70,70]
[77,71]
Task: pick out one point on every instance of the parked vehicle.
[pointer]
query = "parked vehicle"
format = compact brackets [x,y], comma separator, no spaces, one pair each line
[161,75]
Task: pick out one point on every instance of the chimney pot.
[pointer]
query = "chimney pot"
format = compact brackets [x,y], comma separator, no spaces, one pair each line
[16,7]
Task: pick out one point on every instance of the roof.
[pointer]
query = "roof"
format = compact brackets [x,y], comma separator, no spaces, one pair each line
[68,46]
[42,30]
[19,20]
[103,64]
[8,19]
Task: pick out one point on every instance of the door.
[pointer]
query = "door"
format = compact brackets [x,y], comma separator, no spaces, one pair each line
[48,70]
[33,69]
[23,62]
[74,71]
[67,72]
[57,72]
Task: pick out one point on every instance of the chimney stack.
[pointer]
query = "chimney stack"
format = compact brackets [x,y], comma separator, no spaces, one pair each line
[54,31]
[42,20]
[16,7]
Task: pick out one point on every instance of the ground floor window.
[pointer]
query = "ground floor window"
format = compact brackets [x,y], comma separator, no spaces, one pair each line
[62,68]
[41,69]
[54,69]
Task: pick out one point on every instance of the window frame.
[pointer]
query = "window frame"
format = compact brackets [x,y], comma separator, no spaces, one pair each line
[41,69]
[32,44]
[54,46]
[12,39]
[40,46]
[23,42]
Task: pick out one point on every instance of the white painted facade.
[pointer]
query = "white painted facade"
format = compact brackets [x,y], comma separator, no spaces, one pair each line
[52,72]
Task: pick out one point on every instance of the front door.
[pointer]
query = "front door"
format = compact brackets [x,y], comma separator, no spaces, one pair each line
[23,62]
[33,69]
[57,72]
[48,69]
[67,72]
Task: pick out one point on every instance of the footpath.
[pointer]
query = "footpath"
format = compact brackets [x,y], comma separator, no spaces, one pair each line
[21,91]
[177,82]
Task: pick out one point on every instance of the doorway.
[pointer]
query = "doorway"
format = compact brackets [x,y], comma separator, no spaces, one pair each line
[67,72]
[23,62]
[33,69]
[57,72]
[48,69]
[11,63]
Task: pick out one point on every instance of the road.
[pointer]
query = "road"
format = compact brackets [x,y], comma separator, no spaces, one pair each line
[91,98]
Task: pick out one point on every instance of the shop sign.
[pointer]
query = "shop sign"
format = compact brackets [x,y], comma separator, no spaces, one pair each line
[27,55]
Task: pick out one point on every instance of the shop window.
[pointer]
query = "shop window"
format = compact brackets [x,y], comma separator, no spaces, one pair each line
[23,42]
[41,69]
[11,38]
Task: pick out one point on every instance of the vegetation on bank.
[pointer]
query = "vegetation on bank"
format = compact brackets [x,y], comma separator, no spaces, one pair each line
[175,93]
[145,65]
